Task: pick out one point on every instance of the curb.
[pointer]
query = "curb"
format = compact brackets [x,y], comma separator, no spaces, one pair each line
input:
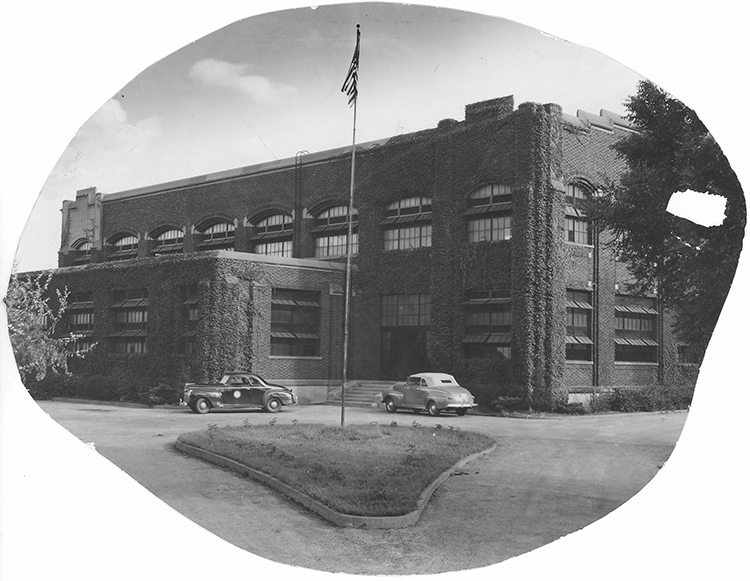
[337,518]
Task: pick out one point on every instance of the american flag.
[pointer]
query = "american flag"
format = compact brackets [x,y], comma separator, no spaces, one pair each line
[350,84]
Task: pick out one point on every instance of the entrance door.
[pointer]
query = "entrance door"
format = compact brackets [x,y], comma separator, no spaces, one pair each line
[404,352]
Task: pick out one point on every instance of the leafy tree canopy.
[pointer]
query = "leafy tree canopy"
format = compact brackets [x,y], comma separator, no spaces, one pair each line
[31,324]
[692,265]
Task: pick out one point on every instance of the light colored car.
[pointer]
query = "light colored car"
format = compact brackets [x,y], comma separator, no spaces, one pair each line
[434,392]
[237,390]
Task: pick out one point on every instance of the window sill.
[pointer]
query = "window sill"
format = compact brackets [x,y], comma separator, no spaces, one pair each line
[577,362]
[309,358]
[638,363]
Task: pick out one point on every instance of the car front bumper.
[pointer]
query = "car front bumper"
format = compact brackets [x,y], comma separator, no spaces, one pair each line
[458,406]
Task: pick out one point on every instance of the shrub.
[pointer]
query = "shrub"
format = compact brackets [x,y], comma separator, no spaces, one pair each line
[106,388]
[52,385]
[576,408]
[653,398]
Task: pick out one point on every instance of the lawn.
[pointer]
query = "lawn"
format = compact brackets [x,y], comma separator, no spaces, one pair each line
[360,470]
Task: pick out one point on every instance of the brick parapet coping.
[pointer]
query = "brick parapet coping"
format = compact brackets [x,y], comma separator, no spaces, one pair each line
[340,519]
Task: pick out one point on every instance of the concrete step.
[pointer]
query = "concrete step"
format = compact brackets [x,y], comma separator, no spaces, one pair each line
[360,393]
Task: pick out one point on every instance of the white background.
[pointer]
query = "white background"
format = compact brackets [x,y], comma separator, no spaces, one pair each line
[62,60]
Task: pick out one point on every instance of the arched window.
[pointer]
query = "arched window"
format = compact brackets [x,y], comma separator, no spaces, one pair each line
[489,214]
[273,235]
[125,247]
[331,231]
[82,251]
[408,224]
[577,226]
[216,235]
[168,242]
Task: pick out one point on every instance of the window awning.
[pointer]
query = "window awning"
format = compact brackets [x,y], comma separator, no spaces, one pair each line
[635,309]
[123,253]
[82,306]
[489,209]
[279,335]
[478,302]
[166,248]
[577,305]
[343,227]
[228,241]
[273,235]
[475,339]
[130,304]
[129,333]
[574,339]
[80,334]
[421,217]
[636,342]
[573,211]
[494,338]
[307,336]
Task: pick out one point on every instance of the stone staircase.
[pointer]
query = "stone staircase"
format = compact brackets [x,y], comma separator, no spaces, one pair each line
[359,393]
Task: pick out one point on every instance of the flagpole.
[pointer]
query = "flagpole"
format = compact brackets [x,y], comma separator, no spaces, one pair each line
[348,299]
[350,87]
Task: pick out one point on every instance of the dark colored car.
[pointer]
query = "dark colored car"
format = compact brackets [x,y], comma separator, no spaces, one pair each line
[237,390]
[434,392]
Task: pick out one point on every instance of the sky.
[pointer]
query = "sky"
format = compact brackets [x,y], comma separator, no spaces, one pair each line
[266,87]
[61,60]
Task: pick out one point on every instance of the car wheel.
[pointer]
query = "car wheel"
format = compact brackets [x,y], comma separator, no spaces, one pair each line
[273,405]
[390,406]
[201,406]
[433,409]
[461,412]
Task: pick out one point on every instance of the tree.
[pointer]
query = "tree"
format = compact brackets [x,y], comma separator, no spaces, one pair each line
[32,322]
[690,265]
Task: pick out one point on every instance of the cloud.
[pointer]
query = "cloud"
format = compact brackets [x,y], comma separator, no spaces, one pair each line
[215,73]
[106,146]
[109,128]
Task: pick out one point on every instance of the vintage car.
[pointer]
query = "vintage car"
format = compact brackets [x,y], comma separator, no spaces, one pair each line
[434,392]
[236,390]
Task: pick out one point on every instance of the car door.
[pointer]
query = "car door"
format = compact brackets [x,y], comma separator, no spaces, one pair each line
[421,392]
[411,392]
[236,392]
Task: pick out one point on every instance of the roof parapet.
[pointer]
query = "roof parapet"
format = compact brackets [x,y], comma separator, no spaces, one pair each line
[606,120]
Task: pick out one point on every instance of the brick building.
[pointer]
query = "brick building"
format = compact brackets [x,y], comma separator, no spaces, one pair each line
[472,255]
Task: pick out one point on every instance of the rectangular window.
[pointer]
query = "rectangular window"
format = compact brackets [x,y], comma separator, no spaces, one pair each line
[578,343]
[490,228]
[487,324]
[190,317]
[130,313]
[413,310]
[335,245]
[295,323]
[277,248]
[486,351]
[578,231]
[129,345]
[407,238]
[636,324]
[80,313]
[83,344]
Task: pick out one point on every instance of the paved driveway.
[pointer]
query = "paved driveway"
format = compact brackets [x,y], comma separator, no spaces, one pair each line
[546,478]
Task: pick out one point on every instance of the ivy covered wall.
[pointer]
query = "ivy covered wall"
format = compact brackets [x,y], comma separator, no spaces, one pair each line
[233,329]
